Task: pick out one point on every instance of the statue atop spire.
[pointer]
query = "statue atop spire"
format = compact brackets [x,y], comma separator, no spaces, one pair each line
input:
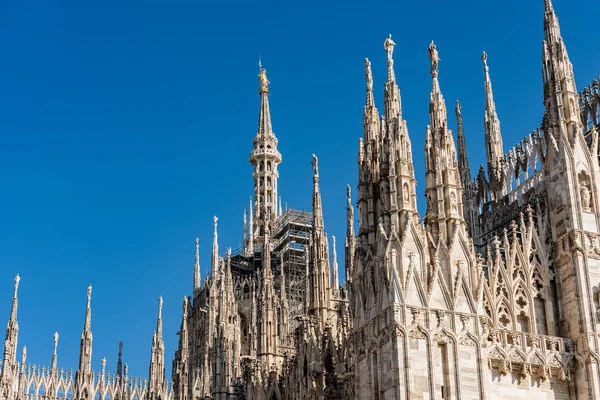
[388,45]
[368,75]
[315,165]
[89,295]
[435,59]
[264,82]
[17,280]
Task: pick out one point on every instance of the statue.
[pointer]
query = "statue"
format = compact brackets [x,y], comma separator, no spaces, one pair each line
[89,294]
[368,74]
[434,57]
[453,201]
[315,165]
[264,83]
[458,111]
[388,45]
[585,198]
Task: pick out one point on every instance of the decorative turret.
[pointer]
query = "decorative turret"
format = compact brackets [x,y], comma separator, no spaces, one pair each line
[197,274]
[396,154]
[181,366]
[469,189]
[444,190]
[493,138]
[560,90]
[157,382]
[84,372]
[350,244]
[9,364]
[319,276]
[265,158]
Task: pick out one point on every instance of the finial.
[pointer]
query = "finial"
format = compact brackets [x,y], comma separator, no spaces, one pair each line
[120,348]
[215,219]
[197,248]
[89,295]
[55,339]
[434,58]
[160,304]
[458,109]
[17,280]
[23,356]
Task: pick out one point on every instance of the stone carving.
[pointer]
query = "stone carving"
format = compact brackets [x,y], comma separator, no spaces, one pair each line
[585,199]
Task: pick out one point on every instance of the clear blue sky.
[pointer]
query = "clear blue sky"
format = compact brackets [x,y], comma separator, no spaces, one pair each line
[126,125]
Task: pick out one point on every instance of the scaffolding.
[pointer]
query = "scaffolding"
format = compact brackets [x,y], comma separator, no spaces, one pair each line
[289,243]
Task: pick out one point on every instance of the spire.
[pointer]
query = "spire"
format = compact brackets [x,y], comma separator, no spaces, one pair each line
[350,239]
[370,116]
[437,105]
[215,248]
[197,267]
[157,358]
[443,190]
[493,137]
[264,118]
[335,282]
[120,361]
[392,93]
[551,25]
[370,101]
[251,229]
[265,158]
[319,254]
[54,353]
[560,90]
[85,348]
[463,159]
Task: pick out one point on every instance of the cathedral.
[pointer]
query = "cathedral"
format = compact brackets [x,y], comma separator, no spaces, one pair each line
[492,293]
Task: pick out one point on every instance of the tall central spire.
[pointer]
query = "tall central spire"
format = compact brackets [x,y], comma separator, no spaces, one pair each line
[265,158]
[264,117]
